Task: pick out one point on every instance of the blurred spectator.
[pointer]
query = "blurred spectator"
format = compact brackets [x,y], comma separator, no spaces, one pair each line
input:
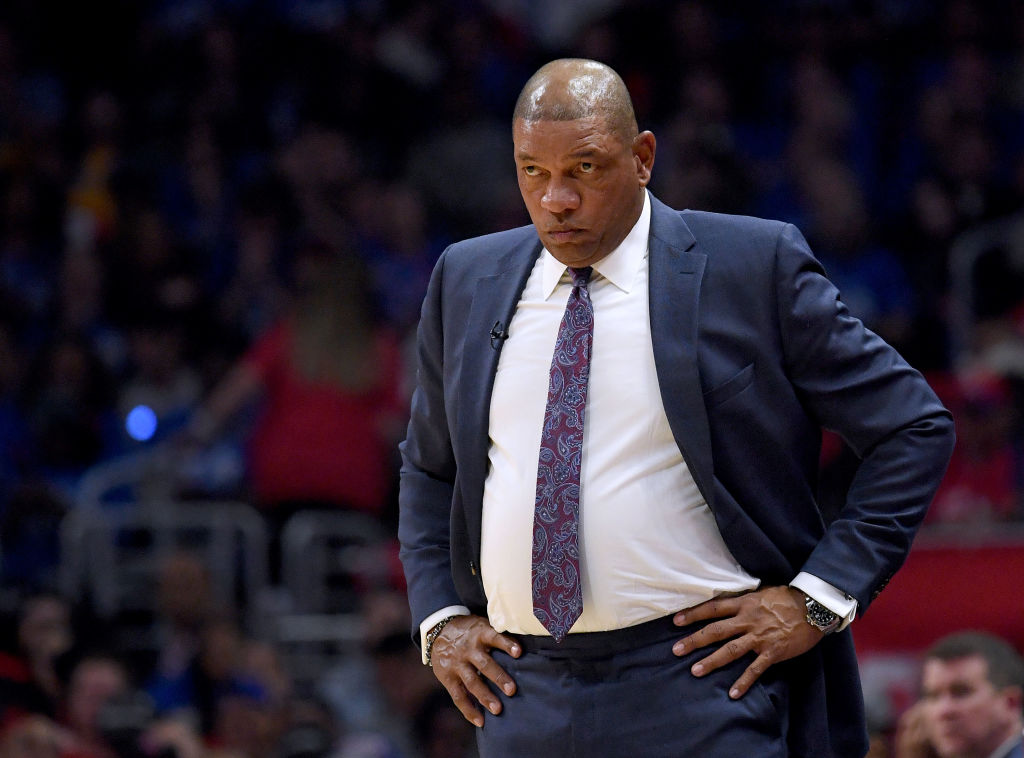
[96,682]
[698,166]
[399,250]
[34,737]
[320,166]
[392,682]
[70,401]
[254,721]
[983,482]
[184,606]
[312,731]
[198,200]
[213,679]
[151,269]
[264,663]
[956,118]
[924,235]
[171,738]
[253,295]
[996,305]
[80,307]
[328,378]
[461,167]
[30,676]
[92,210]
[870,277]
[308,740]
[27,251]
[972,701]
[162,384]
[247,725]
[29,543]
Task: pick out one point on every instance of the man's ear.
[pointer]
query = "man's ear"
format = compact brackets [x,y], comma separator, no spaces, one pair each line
[644,146]
[1015,697]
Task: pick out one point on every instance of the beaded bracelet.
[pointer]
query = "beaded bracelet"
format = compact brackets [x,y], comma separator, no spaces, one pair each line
[432,635]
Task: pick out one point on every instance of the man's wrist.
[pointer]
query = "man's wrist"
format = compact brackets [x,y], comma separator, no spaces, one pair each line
[431,638]
[827,595]
[431,621]
[820,617]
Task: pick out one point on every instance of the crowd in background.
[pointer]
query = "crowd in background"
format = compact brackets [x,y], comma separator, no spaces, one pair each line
[218,218]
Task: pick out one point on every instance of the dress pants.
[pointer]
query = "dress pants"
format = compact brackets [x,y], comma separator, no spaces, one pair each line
[624,694]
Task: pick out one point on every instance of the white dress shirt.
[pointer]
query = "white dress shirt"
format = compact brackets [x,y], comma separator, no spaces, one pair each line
[649,544]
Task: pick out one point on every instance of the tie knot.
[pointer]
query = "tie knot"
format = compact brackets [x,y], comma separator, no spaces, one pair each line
[580,276]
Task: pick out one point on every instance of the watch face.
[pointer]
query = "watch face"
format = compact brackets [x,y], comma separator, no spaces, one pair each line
[820,616]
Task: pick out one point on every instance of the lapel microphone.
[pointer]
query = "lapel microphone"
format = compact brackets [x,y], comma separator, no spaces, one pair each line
[498,335]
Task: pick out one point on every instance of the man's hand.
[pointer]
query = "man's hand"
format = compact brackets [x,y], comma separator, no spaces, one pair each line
[912,740]
[771,622]
[461,658]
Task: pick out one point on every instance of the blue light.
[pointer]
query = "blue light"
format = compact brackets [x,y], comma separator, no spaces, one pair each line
[141,423]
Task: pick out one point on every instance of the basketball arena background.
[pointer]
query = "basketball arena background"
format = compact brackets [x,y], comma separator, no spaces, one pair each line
[203,203]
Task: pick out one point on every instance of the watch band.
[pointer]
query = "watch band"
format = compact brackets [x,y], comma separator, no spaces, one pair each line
[432,635]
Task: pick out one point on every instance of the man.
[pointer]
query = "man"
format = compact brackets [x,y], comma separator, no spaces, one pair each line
[608,522]
[972,696]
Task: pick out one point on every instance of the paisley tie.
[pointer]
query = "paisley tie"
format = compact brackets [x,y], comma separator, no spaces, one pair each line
[557,593]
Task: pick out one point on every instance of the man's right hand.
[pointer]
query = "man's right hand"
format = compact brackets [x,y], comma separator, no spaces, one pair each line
[912,739]
[461,659]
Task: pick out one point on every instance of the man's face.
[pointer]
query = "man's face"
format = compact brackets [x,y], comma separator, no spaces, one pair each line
[966,715]
[581,184]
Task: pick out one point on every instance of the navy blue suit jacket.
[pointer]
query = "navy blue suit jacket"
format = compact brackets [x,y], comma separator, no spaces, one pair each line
[754,353]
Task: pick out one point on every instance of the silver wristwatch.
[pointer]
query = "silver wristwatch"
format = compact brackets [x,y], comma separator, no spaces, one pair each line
[820,617]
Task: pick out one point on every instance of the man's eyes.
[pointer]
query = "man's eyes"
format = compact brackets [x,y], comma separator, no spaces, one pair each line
[584,167]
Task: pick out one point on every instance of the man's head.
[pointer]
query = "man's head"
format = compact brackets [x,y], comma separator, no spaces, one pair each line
[973,687]
[95,681]
[580,162]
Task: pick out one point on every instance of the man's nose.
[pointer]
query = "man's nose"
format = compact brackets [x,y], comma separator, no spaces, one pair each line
[559,197]
[945,706]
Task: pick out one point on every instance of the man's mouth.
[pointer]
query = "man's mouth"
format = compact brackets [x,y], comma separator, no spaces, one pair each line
[564,235]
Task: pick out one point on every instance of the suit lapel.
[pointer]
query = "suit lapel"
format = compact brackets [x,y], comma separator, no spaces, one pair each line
[494,303]
[676,272]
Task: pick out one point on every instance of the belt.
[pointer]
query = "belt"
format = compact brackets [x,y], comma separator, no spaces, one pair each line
[604,643]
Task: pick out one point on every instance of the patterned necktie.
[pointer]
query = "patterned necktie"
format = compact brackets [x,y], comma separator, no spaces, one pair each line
[557,593]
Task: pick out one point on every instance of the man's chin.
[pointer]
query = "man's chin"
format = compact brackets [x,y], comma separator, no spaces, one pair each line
[947,747]
[571,254]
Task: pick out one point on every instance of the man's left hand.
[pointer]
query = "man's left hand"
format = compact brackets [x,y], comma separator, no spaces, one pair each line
[771,622]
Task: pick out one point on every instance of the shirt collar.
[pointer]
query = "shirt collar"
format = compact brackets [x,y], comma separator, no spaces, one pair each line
[619,266]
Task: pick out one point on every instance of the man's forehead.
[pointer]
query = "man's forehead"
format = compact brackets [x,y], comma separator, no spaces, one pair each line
[589,120]
[594,129]
[965,667]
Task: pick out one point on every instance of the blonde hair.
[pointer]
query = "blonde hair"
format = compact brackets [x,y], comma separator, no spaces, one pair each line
[333,331]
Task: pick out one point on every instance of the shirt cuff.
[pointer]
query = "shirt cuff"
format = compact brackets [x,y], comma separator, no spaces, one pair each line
[428,623]
[834,599]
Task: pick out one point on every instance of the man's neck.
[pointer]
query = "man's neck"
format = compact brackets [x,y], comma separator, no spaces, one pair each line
[1009,743]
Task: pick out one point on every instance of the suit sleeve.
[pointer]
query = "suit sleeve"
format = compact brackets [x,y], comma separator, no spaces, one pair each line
[428,471]
[854,383]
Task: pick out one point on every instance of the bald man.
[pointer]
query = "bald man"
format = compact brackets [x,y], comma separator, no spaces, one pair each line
[608,522]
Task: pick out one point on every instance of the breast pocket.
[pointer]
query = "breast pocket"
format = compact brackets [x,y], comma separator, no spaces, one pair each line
[730,388]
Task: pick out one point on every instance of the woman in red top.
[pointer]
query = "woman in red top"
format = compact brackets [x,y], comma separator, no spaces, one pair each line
[329,379]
